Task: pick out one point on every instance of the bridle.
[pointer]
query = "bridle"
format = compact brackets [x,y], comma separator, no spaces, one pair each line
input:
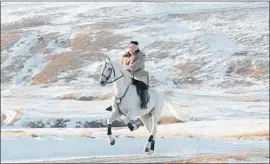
[118,100]
[108,77]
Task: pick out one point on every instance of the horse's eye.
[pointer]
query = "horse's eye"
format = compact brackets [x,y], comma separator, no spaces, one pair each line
[109,69]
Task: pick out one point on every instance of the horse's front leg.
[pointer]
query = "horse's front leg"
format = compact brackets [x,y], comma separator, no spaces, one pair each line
[132,127]
[114,115]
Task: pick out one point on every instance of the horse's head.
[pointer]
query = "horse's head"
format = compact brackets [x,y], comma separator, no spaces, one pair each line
[113,72]
[107,72]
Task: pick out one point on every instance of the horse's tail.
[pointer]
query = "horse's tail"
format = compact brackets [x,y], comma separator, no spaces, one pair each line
[179,115]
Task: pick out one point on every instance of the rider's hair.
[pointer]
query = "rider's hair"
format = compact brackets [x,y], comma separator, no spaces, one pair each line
[134,42]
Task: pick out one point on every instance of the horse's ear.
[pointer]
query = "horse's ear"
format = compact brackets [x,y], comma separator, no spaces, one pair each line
[105,57]
[108,59]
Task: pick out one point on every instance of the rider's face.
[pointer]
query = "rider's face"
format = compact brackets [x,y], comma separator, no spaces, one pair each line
[132,48]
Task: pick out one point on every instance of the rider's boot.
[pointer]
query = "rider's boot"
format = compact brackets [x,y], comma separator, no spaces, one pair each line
[144,98]
[109,108]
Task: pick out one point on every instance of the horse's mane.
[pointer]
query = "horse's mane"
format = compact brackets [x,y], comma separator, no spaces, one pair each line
[125,72]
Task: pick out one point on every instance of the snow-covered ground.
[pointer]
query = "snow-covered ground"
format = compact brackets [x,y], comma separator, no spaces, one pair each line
[67,147]
[211,59]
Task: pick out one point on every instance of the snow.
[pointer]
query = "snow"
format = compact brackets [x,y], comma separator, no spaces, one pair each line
[216,113]
[220,45]
[31,67]
[71,147]
[20,48]
[54,46]
[48,8]
[92,68]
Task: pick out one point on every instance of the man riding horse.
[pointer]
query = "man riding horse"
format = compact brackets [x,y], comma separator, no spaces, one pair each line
[134,61]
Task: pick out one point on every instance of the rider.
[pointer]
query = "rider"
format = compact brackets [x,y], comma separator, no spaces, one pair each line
[134,61]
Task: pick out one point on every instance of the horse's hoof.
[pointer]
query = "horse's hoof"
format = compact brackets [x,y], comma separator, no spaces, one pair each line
[112,142]
[136,127]
[146,149]
[150,152]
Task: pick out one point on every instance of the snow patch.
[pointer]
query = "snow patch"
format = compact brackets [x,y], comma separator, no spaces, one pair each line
[21,48]
[31,67]
[219,44]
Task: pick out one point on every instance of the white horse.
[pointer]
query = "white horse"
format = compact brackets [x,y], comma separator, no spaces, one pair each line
[127,102]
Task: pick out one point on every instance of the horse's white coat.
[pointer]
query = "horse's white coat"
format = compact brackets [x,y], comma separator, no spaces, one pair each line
[130,103]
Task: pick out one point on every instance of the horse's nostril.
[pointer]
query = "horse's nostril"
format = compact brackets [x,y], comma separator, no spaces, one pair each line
[102,82]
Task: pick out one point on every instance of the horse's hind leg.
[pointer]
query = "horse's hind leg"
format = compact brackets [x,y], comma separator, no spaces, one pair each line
[146,119]
[151,125]
[153,133]
[155,117]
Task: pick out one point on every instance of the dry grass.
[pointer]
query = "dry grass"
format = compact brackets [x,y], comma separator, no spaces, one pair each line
[187,68]
[89,42]
[70,96]
[80,42]
[251,135]
[256,73]
[105,39]
[214,159]
[8,39]
[85,47]
[67,96]
[225,157]
[142,132]
[256,100]
[15,134]
[59,63]
[245,67]
[104,97]
[68,61]
[168,120]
